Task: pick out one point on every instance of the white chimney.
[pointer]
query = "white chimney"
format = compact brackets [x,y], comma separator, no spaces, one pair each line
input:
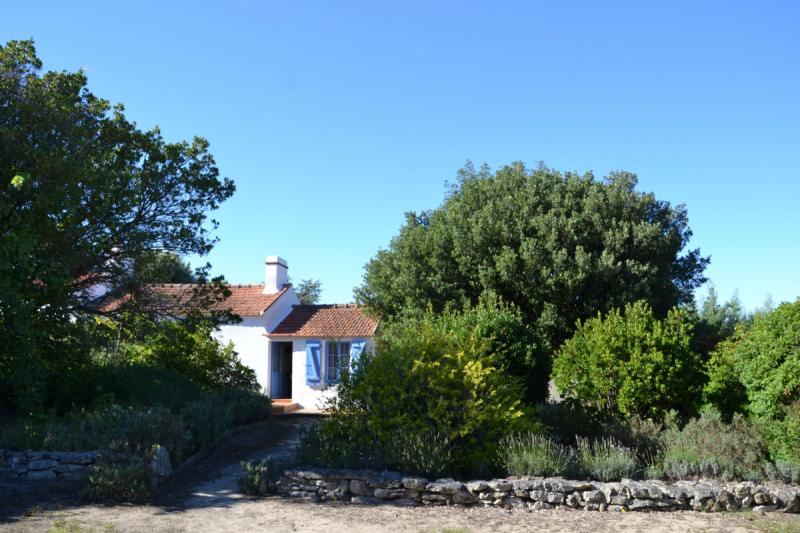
[277,274]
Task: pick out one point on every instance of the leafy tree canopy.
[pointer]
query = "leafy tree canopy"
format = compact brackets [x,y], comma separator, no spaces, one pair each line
[560,246]
[163,267]
[309,291]
[84,193]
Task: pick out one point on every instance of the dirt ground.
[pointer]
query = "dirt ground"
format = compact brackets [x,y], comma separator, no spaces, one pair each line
[204,498]
[273,514]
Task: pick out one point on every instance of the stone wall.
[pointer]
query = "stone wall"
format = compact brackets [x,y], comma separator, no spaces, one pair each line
[31,464]
[369,487]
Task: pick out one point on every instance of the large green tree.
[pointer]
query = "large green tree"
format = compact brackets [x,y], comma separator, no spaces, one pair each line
[84,192]
[560,246]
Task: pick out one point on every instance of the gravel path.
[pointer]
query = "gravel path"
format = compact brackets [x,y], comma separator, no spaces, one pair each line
[204,498]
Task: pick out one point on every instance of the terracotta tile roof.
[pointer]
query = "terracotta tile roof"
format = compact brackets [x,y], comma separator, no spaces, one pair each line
[245,300]
[337,320]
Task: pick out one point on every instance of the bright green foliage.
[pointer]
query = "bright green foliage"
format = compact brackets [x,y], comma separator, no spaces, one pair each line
[83,193]
[605,459]
[768,357]
[724,390]
[532,454]
[763,362]
[435,373]
[630,364]
[709,447]
[561,247]
[191,351]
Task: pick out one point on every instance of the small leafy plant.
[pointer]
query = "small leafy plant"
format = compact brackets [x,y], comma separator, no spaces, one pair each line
[255,482]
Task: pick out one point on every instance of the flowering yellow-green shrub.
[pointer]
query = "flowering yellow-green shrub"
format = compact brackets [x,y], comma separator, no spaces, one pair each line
[439,374]
[631,363]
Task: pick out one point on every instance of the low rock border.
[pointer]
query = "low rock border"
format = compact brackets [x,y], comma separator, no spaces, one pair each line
[370,487]
[43,465]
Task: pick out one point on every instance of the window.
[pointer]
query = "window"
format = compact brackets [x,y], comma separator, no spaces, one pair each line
[338,360]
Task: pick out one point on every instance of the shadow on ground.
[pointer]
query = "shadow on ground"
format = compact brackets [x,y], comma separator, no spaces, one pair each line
[211,482]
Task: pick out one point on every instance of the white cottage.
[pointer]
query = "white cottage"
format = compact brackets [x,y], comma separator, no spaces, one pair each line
[297,351]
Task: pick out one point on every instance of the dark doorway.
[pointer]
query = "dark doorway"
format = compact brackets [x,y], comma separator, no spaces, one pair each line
[281,379]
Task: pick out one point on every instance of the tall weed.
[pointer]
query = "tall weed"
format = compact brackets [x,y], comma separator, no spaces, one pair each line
[708,447]
[532,454]
[606,459]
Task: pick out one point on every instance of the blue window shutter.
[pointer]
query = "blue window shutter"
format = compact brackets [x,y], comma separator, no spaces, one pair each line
[312,362]
[356,349]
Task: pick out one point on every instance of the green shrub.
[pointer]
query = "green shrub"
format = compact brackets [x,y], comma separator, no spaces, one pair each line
[724,390]
[253,483]
[87,430]
[427,454]
[191,350]
[763,362]
[433,373]
[340,442]
[141,385]
[630,363]
[564,421]
[246,406]
[605,459]
[708,447]
[785,471]
[639,434]
[532,454]
[206,420]
[119,476]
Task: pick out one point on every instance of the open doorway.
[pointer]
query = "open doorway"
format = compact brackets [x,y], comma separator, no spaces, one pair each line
[281,373]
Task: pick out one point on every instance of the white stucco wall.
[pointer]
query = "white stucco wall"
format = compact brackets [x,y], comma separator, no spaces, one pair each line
[250,343]
[313,397]
[249,336]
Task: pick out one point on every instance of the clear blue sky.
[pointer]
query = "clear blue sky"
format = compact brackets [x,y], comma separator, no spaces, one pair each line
[334,118]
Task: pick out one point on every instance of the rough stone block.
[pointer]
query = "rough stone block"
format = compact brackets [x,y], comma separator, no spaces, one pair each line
[638,504]
[41,474]
[365,500]
[765,508]
[538,495]
[464,497]
[359,488]
[593,496]
[540,506]
[573,500]
[501,485]
[445,486]
[762,498]
[42,464]
[515,503]
[415,483]
[477,486]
